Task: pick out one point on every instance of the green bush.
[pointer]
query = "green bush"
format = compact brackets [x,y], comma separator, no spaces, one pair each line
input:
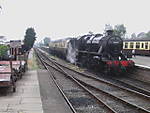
[3,50]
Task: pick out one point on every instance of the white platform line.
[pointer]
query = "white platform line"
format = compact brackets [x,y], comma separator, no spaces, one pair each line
[143,66]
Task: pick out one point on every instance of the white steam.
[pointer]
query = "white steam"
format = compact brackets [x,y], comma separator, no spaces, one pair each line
[71,54]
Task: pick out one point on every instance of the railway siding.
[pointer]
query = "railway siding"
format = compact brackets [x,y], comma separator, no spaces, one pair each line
[134,100]
[127,95]
[80,95]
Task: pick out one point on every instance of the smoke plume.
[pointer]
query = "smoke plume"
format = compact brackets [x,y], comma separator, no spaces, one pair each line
[71,54]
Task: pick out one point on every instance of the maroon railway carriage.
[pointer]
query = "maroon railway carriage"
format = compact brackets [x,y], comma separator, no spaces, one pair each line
[137,46]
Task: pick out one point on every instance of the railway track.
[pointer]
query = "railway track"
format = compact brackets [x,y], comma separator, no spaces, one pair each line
[135,80]
[141,74]
[116,98]
[128,82]
[133,84]
[78,97]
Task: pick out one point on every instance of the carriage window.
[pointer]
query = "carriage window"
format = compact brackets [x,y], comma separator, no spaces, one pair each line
[142,45]
[146,45]
[126,45]
[137,44]
[131,45]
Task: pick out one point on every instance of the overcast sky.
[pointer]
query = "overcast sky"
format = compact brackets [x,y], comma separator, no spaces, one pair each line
[63,18]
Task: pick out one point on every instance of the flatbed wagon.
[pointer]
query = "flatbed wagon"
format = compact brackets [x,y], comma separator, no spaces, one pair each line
[7,77]
[18,67]
[10,72]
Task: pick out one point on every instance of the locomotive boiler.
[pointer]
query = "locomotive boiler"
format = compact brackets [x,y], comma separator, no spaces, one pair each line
[94,51]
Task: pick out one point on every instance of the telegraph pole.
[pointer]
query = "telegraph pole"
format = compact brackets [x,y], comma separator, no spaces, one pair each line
[0,8]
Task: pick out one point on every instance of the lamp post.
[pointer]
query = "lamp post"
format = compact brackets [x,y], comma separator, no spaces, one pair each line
[0,8]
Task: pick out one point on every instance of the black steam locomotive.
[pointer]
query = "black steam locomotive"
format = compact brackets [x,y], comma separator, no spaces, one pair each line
[103,53]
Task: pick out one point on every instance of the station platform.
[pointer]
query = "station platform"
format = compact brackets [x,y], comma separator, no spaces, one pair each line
[143,61]
[35,93]
[27,97]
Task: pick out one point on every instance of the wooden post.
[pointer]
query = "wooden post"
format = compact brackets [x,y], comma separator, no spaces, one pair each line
[11,66]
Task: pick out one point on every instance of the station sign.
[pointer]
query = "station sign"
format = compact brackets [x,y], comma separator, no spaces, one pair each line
[15,43]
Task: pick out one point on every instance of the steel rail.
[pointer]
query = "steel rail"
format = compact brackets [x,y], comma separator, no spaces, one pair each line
[146,82]
[98,79]
[137,88]
[112,95]
[131,104]
[77,82]
[104,81]
[53,78]
[99,100]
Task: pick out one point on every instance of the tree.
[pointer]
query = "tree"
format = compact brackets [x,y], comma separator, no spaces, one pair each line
[120,30]
[148,35]
[141,35]
[46,41]
[3,50]
[133,36]
[29,39]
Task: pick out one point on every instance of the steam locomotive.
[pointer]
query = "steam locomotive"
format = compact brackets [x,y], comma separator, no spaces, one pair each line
[97,51]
